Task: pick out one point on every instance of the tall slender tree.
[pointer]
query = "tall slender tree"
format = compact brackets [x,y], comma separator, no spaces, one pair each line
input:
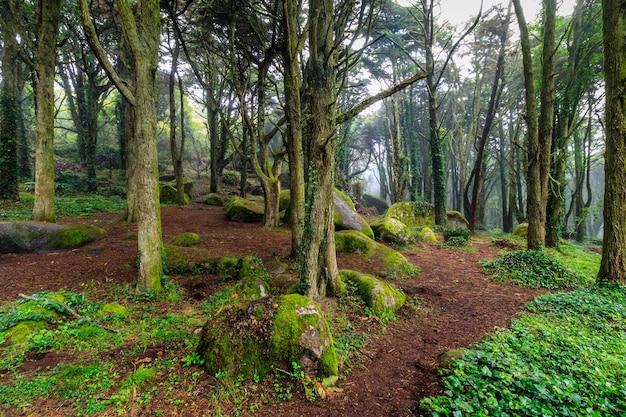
[613,264]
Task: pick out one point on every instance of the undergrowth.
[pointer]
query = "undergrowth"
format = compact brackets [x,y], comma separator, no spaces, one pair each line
[563,357]
[534,269]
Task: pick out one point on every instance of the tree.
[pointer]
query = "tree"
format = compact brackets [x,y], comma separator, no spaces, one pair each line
[10,109]
[613,263]
[141,28]
[48,15]
[539,126]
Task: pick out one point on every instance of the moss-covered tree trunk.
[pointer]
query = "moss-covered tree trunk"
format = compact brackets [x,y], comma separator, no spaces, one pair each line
[48,15]
[293,114]
[613,264]
[10,115]
[319,260]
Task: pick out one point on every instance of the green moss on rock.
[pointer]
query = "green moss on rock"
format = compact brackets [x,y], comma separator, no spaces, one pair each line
[393,231]
[521,230]
[23,330]
[427,235]
[214,199]
[412,214]
[244,210]
[186,239]
[169,195]
[456,220]
[383,298]
[113,309]
[396,265]
[188,184]
[75,236]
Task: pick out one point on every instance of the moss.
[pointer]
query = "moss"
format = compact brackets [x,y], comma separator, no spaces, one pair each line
[169,195]
[214,199]
[383,298]
[350,241]
[392,230]
[244,210]
[76,235]
[23,330]
[412,214]
[426,234]
[188,184]
[177,260]
[113,309]
[456,220]
[186,239]
[227,268]
[521,230]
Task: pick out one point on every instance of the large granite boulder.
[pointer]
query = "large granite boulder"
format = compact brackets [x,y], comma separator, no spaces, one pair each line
[346,216]
[395,264]
[379,204]
[244,210]
[29,236]
[412,214]
[269,334]
[393,231]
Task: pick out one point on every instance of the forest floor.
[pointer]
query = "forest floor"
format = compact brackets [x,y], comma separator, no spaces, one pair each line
[397,365]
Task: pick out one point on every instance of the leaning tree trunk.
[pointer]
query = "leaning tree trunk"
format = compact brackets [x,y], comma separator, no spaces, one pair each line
[320,270]
[48,20]
[613,264]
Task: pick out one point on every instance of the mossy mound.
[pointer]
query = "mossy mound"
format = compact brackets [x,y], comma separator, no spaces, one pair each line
[268,334]
[253,279]
[383,298]
[28,236]
[244,210]
[214,199]
[521,230]
[396,265]
[393,231]
[427,235]
[186,239]
[456,220]
[23,330]
[346,216]
[169,194]
[412,214]
[379,204]
[113,309]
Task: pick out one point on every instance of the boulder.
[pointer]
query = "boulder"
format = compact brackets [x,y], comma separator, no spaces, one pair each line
[521,230]
[186,239]
[188,184]
[29,236]
[395,264]
[379,204]
[393,231]
[346,216]
[456,220]
[169,194]
[244,210]
[446,359]
[254,340]
[412,214]
[214,199]
[383,298]
[427,235]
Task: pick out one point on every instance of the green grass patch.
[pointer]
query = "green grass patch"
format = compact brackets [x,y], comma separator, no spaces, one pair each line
[563,357]
[64,206]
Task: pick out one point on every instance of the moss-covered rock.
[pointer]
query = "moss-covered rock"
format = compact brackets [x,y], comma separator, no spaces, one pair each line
[266,334]
[284,204]
[253,279]
[244,210]
[446,359]
[169,194]
[186,239]
[27,236]
[346,216]
[188,184]
[456,220]
[393,231]
[113,309]
[396,265]
[427,235]
[23,330]
[383,298]
[521,230]
[412,214]
[178,260]
[214,199]
[379,204]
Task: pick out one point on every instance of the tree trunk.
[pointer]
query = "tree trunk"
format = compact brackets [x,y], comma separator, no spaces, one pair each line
[48,20]
[320,270]
[613,264]
[10,115]
[293,114]
[176,153]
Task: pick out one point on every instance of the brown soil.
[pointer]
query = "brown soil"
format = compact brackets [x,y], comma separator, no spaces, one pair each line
[398,364]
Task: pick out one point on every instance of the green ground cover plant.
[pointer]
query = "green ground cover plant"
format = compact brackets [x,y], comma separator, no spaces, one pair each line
[563,357]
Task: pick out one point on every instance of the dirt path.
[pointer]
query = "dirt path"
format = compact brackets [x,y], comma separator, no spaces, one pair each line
[458,306]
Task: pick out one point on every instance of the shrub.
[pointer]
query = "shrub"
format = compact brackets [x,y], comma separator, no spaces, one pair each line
[456,237]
